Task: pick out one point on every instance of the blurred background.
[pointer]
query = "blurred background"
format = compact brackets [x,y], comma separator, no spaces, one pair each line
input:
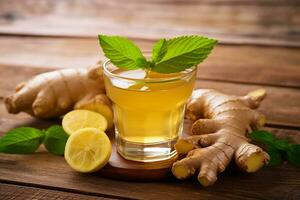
[63,33]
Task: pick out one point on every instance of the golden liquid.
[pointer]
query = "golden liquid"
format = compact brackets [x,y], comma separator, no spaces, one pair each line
[148,112]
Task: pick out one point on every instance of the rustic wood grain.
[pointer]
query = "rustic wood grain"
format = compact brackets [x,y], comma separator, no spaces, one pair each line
[43,169]
[259,65]
[256,22]
[18,192]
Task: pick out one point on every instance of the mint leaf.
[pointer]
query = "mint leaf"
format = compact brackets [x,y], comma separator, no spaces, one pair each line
[159,50]
[268,138]
[263,137]
[122,52]
[142,63]
[184,52]
[293,154]
[278,148]
[281,144]
[275,156]
[55,140]
[168,56]
[23,140]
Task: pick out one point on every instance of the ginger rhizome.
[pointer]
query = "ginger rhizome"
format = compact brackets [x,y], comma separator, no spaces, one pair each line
[53,94]
[220,130]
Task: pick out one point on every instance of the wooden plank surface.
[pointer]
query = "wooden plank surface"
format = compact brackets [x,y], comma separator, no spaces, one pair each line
[274,23]
[42,169]
[258,65]
[18,192]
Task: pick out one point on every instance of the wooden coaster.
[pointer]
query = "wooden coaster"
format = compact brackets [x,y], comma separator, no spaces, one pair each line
[122,169]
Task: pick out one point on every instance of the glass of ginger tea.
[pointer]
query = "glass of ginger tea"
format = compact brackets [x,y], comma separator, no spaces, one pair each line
[148,110]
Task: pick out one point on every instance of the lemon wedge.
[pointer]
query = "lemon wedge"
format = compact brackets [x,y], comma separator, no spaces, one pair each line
[88,150]
[78,119]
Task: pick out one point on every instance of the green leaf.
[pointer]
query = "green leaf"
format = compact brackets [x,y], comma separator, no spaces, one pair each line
[142,63]
[122,52]
[275,156]
[55,140]
[281,144]
[264,137]
[293,154]
[184,52]
[23,140]
[278,147]
[159,50]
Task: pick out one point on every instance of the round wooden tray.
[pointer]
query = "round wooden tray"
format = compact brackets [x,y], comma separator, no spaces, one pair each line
[122,169]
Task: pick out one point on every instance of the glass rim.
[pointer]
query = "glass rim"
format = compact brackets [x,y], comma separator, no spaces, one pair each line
[160,79]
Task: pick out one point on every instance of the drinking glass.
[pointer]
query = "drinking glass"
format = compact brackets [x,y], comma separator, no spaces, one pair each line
[148,111]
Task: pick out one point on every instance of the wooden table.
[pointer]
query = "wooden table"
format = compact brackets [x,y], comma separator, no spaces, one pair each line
[259,47]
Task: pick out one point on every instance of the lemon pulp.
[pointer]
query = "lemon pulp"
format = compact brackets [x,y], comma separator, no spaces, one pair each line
[78,119]
[88,150]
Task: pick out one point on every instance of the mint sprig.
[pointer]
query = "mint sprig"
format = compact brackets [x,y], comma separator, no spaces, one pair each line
[159,50]
[26,140]
[168,56]
[184,52]
[121,51]
[55,140]
[277,148]
[275,156]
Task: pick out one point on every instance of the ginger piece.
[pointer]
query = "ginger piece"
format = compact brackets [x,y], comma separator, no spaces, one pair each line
[100,104]
[53,94]
[220,135]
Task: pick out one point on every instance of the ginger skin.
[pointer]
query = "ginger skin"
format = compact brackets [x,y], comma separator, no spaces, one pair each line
[220,130]
[53,94]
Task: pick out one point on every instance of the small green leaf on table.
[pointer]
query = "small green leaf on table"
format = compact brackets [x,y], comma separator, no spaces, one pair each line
[23,140]
[275,156]
[55,140]
[264,137]
[293,154]
[277,148]
[282,144]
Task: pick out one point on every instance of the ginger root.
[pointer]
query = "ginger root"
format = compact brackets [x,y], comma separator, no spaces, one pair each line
[53,94]
[220,130]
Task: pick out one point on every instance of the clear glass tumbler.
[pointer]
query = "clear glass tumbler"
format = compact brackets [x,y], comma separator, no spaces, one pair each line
[148,110]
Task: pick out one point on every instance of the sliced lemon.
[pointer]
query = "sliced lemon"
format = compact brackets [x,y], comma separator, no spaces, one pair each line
[102,109]
[78,119]
[88,150]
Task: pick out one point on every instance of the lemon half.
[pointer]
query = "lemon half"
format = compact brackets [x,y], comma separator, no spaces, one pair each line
[88,150]
[78,119]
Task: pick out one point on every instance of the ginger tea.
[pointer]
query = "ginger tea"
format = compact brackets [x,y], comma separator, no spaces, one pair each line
[148,110]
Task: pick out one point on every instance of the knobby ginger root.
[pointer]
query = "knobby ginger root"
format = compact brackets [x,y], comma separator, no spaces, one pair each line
[53,94]
[220,130]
